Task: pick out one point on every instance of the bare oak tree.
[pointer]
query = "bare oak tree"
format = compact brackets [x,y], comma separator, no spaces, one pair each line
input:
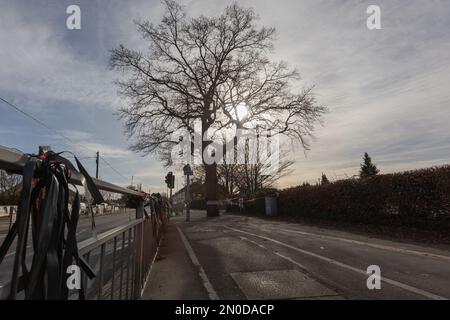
[200,69]
[10,187]
[253,177]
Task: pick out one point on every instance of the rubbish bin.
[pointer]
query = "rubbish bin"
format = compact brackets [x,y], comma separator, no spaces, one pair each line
[271,206]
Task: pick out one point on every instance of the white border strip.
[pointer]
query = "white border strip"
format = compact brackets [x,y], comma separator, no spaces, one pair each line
[346,266]
[363,243]
[147,278]
[206,283]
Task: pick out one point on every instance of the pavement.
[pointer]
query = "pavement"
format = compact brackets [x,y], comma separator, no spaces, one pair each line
[173,275]
[240,257]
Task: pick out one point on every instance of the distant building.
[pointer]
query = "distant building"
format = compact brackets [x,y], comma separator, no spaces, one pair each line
[196,190]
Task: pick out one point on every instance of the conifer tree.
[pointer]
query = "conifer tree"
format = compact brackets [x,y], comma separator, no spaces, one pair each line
[368,169]
[324,179]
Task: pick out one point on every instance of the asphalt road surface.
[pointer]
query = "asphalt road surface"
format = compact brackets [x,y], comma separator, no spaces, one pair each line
[253,258]
[102,223]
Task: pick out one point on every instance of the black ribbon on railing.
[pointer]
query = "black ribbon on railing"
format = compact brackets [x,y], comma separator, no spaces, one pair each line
[87,183]
[44,203]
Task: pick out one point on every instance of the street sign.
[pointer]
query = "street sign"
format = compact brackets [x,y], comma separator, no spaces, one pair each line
[187,170]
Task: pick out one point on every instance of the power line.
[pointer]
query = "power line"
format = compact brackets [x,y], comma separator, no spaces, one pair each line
[116,171]
[36,119]
[15,107]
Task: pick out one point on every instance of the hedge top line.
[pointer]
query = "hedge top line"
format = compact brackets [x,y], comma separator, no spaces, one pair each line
[378,176]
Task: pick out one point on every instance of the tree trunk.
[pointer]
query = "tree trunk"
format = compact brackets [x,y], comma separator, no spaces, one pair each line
[212,205]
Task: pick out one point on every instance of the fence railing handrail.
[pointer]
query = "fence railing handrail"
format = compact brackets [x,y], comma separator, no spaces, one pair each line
[96,241]
[85,246]
[14,161]
[139,240]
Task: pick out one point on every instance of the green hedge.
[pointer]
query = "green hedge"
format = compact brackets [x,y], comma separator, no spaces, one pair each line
[416,198]
[232,207]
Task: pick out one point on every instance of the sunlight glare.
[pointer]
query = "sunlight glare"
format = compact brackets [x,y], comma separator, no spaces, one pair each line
[242,111]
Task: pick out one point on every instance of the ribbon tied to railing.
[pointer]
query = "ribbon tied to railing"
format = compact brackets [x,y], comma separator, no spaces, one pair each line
[44,211]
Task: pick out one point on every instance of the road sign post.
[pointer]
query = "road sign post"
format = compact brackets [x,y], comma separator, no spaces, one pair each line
[187,170]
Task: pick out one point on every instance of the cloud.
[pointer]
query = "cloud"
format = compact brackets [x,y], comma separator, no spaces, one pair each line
[387,90]
[107,151]
[38,67]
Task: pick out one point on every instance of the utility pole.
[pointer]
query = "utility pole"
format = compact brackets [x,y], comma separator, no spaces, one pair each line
[96,162]
[132,180]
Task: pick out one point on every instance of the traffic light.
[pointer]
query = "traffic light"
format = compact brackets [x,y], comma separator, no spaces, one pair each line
[170,180]
[172,183]
[167,179]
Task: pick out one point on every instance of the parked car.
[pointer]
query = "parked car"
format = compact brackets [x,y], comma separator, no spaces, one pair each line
[83,208]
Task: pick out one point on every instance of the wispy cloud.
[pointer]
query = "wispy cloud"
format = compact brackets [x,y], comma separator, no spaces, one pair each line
[387,90]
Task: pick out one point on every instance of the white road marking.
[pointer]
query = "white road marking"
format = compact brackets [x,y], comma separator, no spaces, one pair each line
[251,241]
[29,246]
[346,266]
[206,283]
[290,260]
[77,234]
[274,252]
[373,245]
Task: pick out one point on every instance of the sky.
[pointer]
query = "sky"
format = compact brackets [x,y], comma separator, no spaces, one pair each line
[387,90]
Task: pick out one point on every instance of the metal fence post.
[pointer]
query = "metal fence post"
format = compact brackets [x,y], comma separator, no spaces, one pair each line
[139,247]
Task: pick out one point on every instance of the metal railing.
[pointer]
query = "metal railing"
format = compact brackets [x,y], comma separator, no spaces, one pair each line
[121,257]
[14,161]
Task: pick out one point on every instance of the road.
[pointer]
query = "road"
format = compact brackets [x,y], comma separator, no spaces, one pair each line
[254,258]
[103,223]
